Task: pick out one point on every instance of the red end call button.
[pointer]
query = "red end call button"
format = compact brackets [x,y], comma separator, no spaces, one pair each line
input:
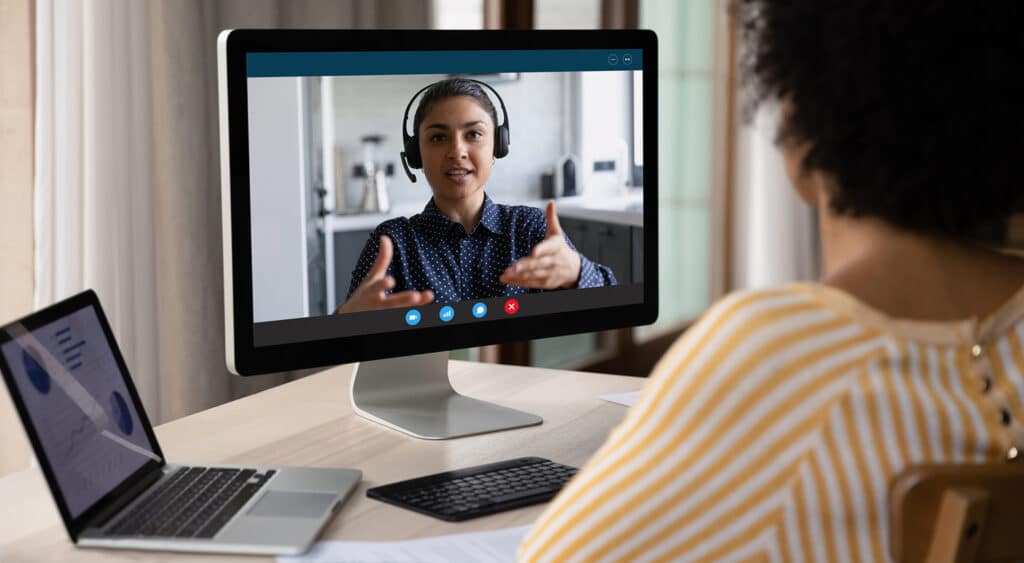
[511,307]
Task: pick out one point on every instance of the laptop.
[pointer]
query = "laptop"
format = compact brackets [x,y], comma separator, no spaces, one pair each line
[106,471]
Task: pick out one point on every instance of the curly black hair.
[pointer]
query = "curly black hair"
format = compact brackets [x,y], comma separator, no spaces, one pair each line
[915,108]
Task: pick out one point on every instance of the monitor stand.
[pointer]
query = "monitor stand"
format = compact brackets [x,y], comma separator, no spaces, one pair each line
[412,394]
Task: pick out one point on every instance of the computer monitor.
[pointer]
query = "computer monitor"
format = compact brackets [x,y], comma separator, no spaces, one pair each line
[449,145]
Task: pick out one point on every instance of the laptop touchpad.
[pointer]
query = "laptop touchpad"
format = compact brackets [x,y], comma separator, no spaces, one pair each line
[292,504]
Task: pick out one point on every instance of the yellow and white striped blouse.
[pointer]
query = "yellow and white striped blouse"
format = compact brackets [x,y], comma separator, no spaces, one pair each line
[771,429]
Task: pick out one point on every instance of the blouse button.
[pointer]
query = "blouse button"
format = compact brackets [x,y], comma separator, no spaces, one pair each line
[1012,453]
[976,351]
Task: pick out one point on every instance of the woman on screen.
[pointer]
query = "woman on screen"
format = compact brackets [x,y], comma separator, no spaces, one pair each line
[463,246]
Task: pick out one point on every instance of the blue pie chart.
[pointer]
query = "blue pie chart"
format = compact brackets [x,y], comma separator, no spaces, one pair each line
[37,374]
[120,413]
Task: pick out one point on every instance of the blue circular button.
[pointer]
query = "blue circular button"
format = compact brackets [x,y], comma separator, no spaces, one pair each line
[413,317]
[479,310]
[447,313]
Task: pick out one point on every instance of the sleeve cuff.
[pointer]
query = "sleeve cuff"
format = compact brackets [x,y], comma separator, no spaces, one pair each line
[590,276]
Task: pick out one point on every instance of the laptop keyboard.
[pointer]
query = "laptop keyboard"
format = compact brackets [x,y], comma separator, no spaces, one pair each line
[194,502]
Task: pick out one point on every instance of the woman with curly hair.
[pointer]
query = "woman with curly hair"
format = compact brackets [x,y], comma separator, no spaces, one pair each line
[772,428]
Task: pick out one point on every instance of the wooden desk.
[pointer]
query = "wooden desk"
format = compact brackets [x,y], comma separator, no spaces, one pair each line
[310,422]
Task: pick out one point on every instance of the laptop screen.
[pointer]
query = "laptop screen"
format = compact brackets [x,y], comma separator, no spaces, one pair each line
[79,406]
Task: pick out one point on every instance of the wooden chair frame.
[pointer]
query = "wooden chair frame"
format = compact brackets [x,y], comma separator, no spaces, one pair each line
[958,513]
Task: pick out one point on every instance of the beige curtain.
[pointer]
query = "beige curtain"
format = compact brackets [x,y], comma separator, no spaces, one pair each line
[192,374]
[144,168]
[15,198]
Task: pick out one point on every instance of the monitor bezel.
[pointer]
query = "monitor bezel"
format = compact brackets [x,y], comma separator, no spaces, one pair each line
[43,317]
[244,358]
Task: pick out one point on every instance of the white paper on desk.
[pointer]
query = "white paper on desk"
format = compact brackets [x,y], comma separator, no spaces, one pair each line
[628,399]
[492,546]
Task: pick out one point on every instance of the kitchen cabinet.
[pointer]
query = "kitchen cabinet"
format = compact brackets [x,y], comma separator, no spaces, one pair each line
[636,235]
[620,247]
[348,245]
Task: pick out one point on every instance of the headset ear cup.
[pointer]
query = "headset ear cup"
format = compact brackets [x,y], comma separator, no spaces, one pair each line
[501,142]
[412,153]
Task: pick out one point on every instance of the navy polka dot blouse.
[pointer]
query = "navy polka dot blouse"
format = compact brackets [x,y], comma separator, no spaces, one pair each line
[434,252]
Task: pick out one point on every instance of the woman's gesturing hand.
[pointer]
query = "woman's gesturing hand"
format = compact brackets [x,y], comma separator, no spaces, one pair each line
[372,294]
[552,263]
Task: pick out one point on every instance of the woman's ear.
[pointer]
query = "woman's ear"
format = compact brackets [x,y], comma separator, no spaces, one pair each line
[805,182]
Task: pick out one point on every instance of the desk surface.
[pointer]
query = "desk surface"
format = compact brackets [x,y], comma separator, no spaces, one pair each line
[310,423]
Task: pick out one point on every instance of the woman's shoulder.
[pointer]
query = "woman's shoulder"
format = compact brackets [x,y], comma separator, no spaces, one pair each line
[785,298]
[392,227]
[787,320]
[742,314]
[761,342]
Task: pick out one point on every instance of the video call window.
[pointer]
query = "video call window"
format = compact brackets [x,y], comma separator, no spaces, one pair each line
[383,183]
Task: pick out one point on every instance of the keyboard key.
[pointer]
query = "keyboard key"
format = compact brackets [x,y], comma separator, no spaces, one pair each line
[229,510]
[190,503]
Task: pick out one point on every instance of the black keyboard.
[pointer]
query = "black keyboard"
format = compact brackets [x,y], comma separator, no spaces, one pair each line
[194,502]
[478,491]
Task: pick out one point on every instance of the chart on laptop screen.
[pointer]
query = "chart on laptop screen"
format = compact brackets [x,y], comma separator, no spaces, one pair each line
[399,190]
[79,406]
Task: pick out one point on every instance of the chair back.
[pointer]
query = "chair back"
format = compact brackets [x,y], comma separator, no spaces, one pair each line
[957,513]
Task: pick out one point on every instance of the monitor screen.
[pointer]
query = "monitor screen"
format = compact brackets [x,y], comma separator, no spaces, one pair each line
[83,417]
[444,196]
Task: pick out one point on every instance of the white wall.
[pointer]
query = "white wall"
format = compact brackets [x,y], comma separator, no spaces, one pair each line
[277,185]
[606,125]
[536,120]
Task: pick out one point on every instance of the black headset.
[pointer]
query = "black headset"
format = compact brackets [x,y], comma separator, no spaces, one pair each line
[411,157]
